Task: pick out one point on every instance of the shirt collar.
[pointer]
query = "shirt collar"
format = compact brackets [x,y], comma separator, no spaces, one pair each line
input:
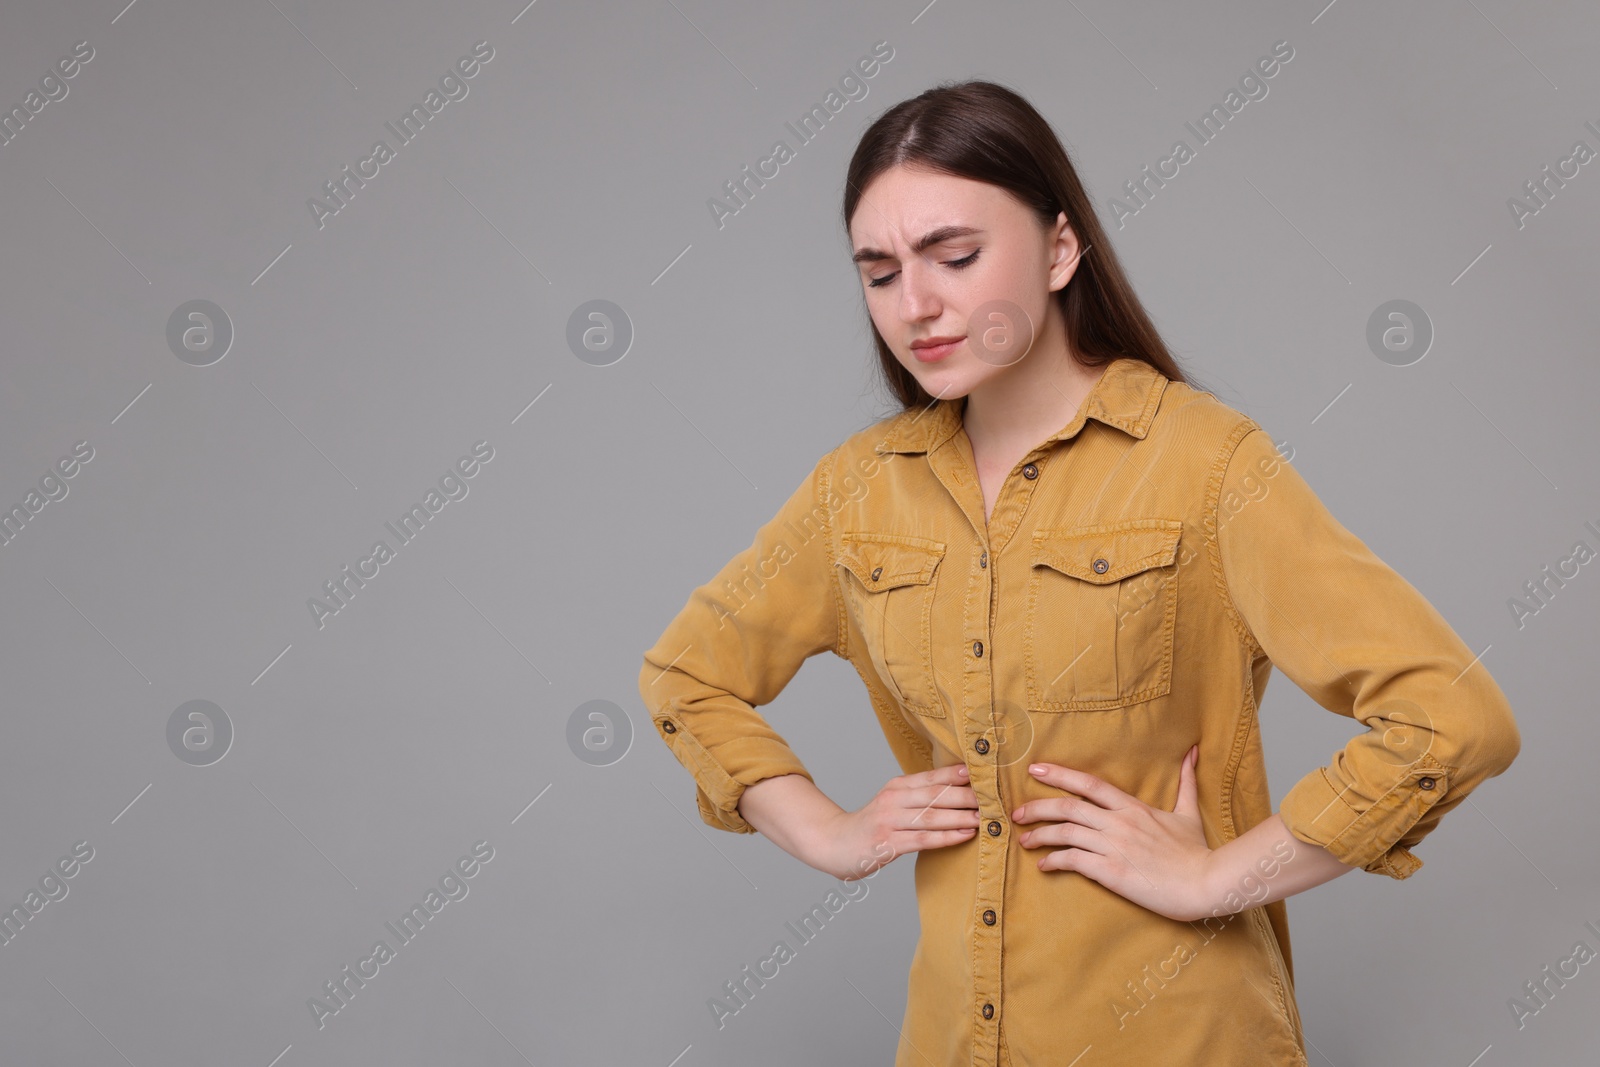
[1126,396]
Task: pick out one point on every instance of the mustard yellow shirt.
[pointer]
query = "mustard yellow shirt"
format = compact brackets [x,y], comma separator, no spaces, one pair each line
[1143,570]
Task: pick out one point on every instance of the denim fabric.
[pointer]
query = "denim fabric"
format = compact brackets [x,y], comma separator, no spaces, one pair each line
[1143,570]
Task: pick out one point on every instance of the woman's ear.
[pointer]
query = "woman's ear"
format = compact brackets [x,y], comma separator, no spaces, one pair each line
[1064,245]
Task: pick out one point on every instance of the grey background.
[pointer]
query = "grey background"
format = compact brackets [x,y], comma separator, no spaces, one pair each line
[432,311]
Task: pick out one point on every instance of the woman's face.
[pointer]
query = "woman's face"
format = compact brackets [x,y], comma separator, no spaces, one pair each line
[945,258]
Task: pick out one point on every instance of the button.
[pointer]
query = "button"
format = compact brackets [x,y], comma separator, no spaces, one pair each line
[977,649]
[876,572]
[982,745]
[988,1011]
[988,916]
[1101,566]
[1426,783]
[983,560]
[1031,471]
[994,828]
[666,725]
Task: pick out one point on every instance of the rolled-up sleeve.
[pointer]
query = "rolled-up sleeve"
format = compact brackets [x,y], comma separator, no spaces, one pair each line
[737,642]
[1363,642]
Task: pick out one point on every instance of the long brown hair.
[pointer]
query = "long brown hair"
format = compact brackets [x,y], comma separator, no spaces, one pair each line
[988,133]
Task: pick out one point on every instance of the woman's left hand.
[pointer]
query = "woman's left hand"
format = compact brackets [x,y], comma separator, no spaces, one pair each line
[1157,859]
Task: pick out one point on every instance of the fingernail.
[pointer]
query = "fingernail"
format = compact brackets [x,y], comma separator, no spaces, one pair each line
[963,770]
[1035,769]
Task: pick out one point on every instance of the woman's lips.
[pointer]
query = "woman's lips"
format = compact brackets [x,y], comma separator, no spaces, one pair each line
[935,353]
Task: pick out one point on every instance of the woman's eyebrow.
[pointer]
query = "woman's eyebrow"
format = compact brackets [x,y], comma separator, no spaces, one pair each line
[932,237]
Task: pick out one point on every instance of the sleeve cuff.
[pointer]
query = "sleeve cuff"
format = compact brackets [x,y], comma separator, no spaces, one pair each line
[1398,862]
[718,787]
[1321,813]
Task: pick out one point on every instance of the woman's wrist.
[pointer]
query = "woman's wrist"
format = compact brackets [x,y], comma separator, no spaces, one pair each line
[793,813]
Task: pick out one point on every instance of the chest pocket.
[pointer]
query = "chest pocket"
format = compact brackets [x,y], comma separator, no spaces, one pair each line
[889,592]
[1102,606]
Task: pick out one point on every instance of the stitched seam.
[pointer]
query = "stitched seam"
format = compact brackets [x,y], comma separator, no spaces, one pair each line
[1241,736]
[1257,920]
[1160,558]
[1264,934]
[1035,692]
[823,491]
[1214,549]
[1104,703]
[925,672]
[922,574]
[915,558]
[1230,773]
[1363,817]
[1169,633]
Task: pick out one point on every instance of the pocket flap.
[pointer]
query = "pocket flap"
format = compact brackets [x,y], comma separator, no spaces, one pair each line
[1109,553]
[888,561]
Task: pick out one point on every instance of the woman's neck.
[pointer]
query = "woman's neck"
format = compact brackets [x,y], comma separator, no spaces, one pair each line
[1012,413]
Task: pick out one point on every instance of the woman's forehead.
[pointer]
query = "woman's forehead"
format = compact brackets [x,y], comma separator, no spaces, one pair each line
[907,207]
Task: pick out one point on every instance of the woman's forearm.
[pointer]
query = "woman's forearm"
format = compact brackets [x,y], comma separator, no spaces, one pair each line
[789,809]
[1266,863]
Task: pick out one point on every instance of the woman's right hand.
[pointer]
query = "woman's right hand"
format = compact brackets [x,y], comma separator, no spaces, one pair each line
[912,812]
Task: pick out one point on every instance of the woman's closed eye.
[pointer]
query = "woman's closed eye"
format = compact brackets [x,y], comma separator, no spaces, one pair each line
[956,264]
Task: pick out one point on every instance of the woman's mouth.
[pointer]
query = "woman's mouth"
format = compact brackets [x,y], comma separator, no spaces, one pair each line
[940,348]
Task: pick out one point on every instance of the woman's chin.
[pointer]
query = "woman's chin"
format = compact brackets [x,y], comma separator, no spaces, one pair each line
[946,383]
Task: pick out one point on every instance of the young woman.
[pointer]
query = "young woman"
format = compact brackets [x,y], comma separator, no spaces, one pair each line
[1064,575]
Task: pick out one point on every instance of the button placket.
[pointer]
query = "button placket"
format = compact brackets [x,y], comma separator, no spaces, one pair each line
[975,732]
[993,843]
